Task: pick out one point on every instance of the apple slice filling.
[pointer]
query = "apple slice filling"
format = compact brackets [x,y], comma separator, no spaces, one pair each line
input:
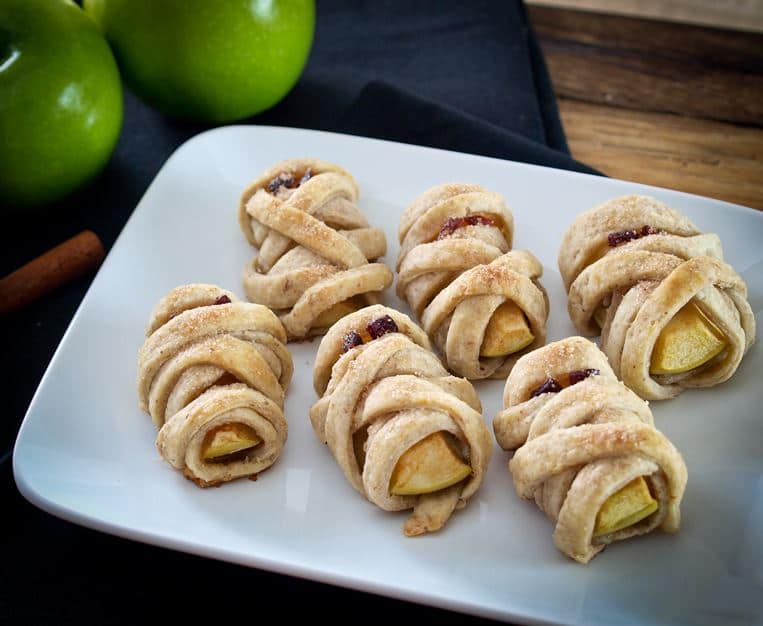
[626,507]
[373,330]
[687,342]
[430,465]
[507,332]
[229,442]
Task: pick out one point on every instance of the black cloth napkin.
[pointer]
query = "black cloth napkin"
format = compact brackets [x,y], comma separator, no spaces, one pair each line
[465,76]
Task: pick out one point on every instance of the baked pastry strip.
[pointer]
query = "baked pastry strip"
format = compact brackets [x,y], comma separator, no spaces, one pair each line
[315,247]
[671,313]
[212,374]
[587,451]
[480,302]
[406,434]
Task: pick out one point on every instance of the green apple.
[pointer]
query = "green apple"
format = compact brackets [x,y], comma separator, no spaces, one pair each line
[211,61]
[60,100]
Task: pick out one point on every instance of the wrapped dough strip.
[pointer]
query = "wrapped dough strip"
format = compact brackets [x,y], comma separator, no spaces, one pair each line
[480,303]
[671,313]
[212,374]
[387,396]
[587,452]
[315,247]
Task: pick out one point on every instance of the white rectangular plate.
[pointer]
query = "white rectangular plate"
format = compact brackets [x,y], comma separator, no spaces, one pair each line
[86,453]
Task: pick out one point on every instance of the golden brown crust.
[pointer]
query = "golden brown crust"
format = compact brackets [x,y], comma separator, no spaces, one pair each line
[578,446]
[636,287]
[315,247]
[330,348]
[199,482]
[455,273]
[210,360]
[180,440]
[588,233]
[396,390]
[512,425]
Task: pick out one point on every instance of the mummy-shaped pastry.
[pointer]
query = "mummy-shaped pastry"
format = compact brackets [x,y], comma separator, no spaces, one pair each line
[671,313]
[480,302]
[587,451]
[212,374]
[406,434]
[314,246]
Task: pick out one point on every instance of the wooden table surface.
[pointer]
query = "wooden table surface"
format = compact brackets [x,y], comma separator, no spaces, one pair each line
[657,102]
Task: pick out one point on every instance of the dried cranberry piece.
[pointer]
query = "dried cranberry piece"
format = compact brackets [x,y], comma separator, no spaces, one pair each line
[452,224]
[223,300]
[284,179]
[351,340]
[648,230]
[381,326]
[550,385]
[621,237]
[624,236]
[578,375]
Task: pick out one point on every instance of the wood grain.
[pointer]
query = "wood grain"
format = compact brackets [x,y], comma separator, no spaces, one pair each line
[708,158]
[735,14]
[659,103]
[653,66]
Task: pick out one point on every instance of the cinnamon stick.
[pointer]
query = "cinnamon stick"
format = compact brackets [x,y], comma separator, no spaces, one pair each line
[56,267]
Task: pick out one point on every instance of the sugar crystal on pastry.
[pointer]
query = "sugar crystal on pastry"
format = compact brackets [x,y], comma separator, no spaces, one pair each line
[316,250]
[212,374]
[671,313]
[406,434]
[587,452]
[479,301]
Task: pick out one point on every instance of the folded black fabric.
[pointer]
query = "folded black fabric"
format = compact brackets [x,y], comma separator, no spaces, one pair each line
[400,116]
[450,74]
[479,57]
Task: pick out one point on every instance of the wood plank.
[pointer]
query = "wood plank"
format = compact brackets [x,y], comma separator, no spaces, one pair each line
[733,14]
[653,66]
[708,158]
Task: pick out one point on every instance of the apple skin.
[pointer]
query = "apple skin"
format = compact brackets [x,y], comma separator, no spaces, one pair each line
[60,102]
[208,61]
